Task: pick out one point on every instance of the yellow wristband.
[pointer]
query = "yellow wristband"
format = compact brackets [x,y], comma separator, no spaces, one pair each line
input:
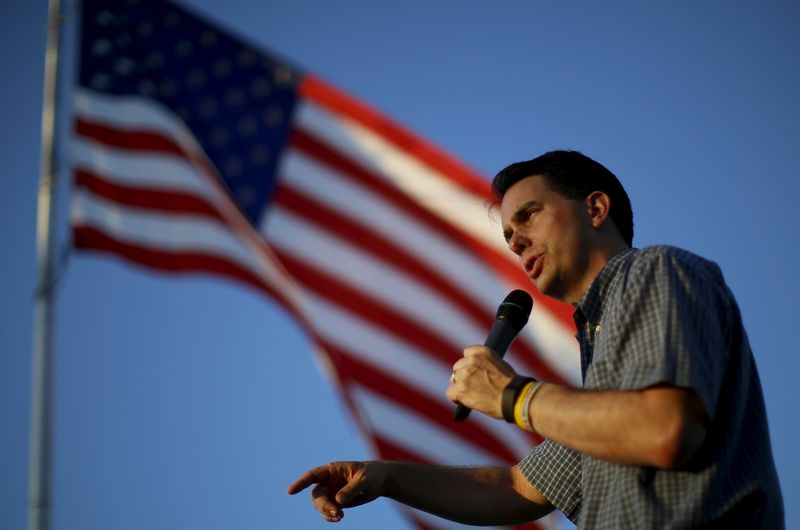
[525,407]
[518,405]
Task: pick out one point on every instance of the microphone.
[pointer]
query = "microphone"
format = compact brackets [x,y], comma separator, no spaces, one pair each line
[512,315]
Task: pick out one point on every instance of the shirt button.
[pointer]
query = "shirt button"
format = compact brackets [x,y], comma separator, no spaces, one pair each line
[597,328]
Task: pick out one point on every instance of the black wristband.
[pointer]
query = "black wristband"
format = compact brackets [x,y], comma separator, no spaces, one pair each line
[510,393]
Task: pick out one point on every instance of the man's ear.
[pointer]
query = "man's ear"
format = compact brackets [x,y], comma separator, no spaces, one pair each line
[598,205]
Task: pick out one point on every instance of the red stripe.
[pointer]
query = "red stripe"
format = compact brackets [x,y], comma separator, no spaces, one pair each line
[406,396]
[369,309]
[314,147]
[138,140]
[376,244]
[174,262]
[145,198]
[326,96]
[144,140]
[178,202]
[534,362]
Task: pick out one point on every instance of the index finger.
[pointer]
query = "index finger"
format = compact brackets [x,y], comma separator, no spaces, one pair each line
[312,476]
[477,349]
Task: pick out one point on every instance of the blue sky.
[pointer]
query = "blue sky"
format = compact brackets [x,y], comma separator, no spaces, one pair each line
[188,402]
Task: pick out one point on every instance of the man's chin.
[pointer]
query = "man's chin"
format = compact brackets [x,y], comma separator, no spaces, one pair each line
[548,289]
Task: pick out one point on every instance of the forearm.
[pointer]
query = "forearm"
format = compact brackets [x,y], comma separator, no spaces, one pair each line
[657,426]
[476,496]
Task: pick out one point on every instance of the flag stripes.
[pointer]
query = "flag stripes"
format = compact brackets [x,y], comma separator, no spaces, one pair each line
[378,243]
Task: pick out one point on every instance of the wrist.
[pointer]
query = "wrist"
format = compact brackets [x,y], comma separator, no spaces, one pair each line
[510,394]
[523,415]
[389,484]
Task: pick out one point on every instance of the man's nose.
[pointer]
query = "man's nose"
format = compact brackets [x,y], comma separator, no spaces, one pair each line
[517,243]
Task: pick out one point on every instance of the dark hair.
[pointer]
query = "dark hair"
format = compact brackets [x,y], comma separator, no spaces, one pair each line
[573,175]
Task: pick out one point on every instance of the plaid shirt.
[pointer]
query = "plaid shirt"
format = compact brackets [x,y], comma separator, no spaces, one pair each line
[664,315]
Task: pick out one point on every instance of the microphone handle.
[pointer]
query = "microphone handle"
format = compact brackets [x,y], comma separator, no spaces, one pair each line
[499,339]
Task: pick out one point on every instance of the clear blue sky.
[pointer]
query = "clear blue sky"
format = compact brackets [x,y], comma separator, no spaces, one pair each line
[192,403]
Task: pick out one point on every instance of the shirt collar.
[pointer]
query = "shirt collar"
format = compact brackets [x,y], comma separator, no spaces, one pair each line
[593,302]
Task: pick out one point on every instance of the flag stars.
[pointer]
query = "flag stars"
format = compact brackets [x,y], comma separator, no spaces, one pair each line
[123,40]
[146,87]
[233,166]
[101,48]
[246,57]
[247,126]
[124,66]
[208,108]
[101,81]
[234,97]
[221,68]
[171,19]
[273,116]
[259,155]
[246,195]
[145,29]
[196,78]
[168,87]
[208,39]
[236,101]
[184,48]
[260,87]
[155,59]
[220,137]
[104,18]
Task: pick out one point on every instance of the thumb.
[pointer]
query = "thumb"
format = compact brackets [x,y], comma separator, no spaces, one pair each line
[347,493]
[351,491]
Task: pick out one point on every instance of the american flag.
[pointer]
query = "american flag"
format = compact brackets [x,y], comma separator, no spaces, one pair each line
[194,152]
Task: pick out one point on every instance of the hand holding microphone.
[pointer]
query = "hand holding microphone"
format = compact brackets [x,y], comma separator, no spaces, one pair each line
[512,315]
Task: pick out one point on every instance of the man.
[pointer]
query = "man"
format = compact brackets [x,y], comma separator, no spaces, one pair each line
[669,429]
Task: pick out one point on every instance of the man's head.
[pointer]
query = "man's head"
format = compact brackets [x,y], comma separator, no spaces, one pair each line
[574,176]
[558,215]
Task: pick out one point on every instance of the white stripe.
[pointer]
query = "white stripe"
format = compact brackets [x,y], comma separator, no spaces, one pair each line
[553,339]
[158,230]
[376,278]
[426,186]
[555,343]
[139,113]
[358,203]
[391,355]
[130,113]
[131,168]
[415,433]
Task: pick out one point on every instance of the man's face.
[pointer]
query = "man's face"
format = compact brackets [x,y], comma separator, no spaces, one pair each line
[550,233]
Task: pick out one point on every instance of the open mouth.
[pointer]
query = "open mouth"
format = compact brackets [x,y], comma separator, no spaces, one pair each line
[533,266]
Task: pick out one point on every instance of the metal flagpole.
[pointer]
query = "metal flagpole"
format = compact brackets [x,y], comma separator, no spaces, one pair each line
[41,392]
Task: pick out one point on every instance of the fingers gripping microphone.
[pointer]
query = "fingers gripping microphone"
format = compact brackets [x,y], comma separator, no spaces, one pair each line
[512,315]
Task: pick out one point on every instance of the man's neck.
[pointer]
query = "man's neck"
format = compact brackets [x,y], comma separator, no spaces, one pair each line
[597,259]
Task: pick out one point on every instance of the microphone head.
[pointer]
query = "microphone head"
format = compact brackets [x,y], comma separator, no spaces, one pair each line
[516,308]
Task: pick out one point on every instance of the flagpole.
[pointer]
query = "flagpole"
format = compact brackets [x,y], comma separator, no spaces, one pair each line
[39,489]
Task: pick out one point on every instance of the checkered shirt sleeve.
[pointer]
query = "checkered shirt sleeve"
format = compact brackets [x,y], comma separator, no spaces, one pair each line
[556,472]
[673,328]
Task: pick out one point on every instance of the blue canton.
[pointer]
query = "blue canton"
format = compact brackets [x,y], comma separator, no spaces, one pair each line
[237,101]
